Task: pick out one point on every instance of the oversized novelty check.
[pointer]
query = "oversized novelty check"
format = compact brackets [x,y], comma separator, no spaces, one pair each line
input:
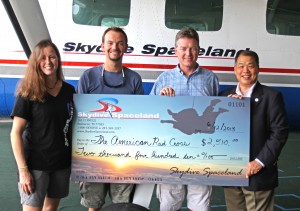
[159,139]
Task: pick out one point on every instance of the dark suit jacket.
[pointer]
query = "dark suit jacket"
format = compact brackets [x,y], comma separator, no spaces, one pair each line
[268,134]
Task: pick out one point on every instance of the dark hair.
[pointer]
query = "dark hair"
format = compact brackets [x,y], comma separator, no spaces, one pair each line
[187,32]
[247,53]
[115,29]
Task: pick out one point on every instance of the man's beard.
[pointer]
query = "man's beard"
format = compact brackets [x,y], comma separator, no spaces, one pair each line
[115,59]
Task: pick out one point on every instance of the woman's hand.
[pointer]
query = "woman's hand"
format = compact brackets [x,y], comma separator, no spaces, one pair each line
[26,181]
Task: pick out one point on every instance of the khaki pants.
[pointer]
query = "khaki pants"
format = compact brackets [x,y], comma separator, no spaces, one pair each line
[240,199]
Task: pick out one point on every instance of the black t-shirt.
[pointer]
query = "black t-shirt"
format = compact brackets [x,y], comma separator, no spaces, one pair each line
[44,137]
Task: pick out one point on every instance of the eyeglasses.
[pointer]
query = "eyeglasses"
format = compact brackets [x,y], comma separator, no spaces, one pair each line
[113,86]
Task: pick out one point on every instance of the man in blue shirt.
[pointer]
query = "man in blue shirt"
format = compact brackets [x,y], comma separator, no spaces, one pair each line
[188,79]
[110,78]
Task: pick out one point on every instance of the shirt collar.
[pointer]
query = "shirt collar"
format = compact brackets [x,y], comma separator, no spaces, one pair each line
[198,69]
[248,93]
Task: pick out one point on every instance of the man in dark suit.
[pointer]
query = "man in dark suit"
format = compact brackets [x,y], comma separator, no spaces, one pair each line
[268,134]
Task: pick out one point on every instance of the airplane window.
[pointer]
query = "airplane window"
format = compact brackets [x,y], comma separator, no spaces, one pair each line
[101,12]
[114,21]
[202,15]
[283,17]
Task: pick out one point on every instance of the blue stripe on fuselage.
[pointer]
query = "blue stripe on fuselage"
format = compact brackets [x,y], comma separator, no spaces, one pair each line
[291,97]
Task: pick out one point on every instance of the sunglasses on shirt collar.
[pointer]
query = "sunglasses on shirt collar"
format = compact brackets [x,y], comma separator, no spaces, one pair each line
[113,86]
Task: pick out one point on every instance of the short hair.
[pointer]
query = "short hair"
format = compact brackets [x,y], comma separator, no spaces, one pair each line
[187,32]
[115,29]
[253,54]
